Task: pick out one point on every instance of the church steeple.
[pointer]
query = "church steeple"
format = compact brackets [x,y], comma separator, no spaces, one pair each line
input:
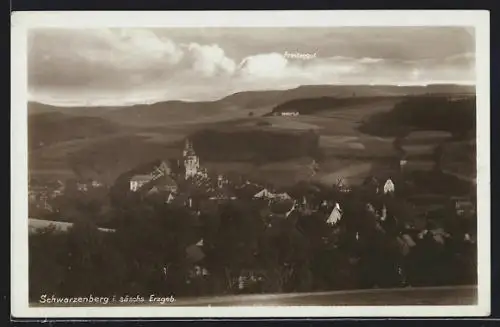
[191,160]
[188,149]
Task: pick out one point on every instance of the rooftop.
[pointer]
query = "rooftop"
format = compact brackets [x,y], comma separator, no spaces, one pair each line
[141,178]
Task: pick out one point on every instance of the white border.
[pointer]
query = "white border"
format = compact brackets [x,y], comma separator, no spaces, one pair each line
[22,21]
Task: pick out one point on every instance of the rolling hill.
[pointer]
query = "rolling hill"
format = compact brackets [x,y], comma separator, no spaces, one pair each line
[110,140]
[48,128]
[239,105]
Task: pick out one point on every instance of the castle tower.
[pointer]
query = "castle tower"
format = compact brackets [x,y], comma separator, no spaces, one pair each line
[191,160]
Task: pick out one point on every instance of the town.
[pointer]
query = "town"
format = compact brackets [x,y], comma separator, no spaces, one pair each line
[342,218]
[191,185]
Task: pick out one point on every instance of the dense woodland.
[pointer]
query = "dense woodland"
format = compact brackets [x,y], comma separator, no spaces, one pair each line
[313,105]
[457,116]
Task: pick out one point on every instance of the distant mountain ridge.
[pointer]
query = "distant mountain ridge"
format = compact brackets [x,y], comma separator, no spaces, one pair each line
[238,104]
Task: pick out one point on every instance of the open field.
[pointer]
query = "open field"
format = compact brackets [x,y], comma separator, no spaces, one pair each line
[104,159]
[346,150]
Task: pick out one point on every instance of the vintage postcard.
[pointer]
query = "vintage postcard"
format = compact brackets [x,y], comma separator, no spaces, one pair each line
[250,164]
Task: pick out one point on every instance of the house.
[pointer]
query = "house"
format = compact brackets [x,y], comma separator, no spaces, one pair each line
[56,193]
[162,169]
[264,194]
[32,196]
[221,181]
[290,113]
[342,185]
[389,187]
[198,271]
[463,206]
[282,196]
[82,187]
[96,184]
[165,183]
[168,188]
[170,198]
[157,181]
[221,194]
[195,256]
[470,238]
[402,163]
[59,188]
[202,173]
[137,181]
[335,215]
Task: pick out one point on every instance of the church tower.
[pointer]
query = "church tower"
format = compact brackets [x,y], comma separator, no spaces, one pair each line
[191,160]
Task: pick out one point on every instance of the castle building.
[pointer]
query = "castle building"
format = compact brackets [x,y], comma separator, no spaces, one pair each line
[191,160]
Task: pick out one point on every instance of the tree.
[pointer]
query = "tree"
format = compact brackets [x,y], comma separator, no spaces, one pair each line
[46,271]
[233,240]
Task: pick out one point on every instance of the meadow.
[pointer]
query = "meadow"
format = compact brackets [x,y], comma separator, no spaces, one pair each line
[154,134]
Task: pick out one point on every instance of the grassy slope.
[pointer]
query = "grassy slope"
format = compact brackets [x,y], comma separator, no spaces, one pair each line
[114,140]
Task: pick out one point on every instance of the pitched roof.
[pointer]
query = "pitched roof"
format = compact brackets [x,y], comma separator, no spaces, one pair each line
[389,186]
[335,216]
[264,193]
[158,183]
[283,196]
[141,178]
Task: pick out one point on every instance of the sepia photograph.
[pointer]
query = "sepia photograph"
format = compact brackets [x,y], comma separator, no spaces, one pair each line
[250,164]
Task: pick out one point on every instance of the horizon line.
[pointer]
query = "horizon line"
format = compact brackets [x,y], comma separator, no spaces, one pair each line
[156,101]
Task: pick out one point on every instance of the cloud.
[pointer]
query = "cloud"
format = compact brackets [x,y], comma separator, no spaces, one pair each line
[118,66]
[269,65]
[135,46]
[210,60]
[108,58]
[367,60]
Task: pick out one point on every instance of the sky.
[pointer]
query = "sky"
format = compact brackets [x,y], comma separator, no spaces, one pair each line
[123,66]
